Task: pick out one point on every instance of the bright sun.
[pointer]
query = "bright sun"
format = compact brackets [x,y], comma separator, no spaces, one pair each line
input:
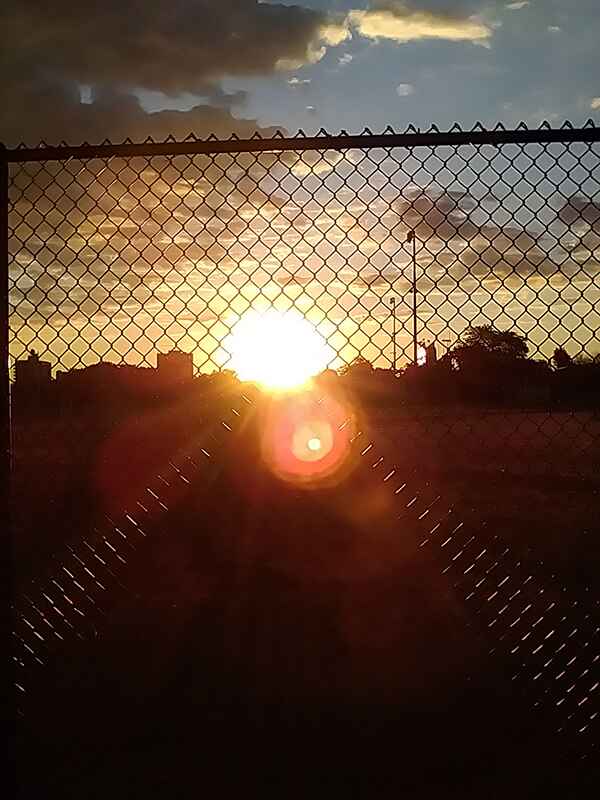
[278,349]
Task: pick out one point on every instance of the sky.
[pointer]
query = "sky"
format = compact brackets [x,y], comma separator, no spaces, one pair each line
[236,65]
[114,271]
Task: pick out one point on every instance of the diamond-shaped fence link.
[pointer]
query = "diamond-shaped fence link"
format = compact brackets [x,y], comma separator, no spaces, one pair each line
[454,278]
[118,257]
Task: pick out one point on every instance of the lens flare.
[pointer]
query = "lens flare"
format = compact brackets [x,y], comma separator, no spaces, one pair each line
[278,349]
[312,439]
[306,438]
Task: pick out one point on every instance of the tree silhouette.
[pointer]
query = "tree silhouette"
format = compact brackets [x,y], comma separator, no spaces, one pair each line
[561,358]
[490,364]
[358,368]
[584,359]
[487,340]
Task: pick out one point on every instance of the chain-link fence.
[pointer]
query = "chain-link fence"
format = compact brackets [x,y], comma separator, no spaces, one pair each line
[453,279]
[118,253]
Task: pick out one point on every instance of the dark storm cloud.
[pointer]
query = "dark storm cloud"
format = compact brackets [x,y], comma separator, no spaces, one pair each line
[171,47]
[51,49]
[436,212]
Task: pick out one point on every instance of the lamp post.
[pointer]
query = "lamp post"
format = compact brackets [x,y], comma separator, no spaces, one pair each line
[393,308]
[412,238]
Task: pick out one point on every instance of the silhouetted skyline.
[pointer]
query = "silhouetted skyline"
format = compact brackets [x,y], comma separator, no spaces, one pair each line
[486,367]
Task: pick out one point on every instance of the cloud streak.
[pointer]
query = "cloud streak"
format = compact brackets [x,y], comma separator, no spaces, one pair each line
[398,22]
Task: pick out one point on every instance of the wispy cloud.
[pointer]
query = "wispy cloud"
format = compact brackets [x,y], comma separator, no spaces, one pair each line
[329,34]
[296,82]
[401,24]
[405,89]
[554,29]
[344,60]
[595,103]
[517,6]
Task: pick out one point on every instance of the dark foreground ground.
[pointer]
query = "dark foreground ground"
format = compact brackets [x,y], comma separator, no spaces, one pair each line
[297,643]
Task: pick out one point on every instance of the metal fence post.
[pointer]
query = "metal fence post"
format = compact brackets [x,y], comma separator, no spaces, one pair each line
[6,562]
[4,367]
[5,436]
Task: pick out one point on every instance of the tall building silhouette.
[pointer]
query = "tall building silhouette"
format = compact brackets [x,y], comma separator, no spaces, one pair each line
[33,383]
[32,373]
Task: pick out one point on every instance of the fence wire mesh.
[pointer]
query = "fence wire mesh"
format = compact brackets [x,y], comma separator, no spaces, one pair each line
[454,280]
[119,258]
[453,277]
[443,271]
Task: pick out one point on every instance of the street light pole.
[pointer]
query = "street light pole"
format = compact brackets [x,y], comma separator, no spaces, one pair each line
[393,307]
[412,238]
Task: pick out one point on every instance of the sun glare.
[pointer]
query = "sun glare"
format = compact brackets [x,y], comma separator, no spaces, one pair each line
[278,349]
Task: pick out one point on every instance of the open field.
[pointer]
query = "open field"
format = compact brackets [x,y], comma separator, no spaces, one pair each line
[555,444]
[531,477]
[301,634]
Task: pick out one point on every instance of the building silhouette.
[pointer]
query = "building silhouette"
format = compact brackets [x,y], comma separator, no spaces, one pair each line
[430,354]
[426,354]
[104,385]
[32,373]
[33,382]
[175,368]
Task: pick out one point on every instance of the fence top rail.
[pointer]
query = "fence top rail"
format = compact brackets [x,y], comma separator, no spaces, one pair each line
[412,137]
